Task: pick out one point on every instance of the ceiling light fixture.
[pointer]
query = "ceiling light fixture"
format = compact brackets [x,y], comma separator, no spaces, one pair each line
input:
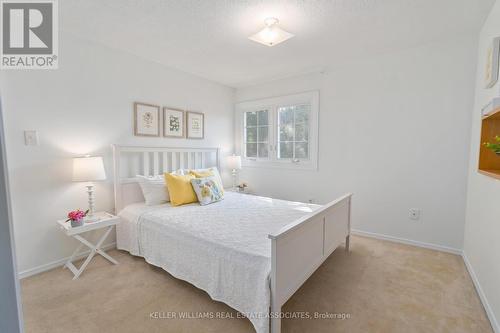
[272,34]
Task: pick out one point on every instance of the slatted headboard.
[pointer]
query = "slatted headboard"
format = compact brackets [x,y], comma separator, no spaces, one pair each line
[129,161]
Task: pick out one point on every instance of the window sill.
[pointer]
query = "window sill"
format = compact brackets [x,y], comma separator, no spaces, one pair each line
[288,165]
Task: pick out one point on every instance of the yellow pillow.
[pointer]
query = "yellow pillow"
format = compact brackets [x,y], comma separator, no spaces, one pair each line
[201,174]
[180,189]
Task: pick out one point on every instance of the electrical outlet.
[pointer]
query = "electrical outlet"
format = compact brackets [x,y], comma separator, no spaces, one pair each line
[30,138]
[414,214]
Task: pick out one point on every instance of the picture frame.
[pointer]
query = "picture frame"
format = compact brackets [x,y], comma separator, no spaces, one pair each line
[492,63]
[195,125]
[146,119]
[173,123]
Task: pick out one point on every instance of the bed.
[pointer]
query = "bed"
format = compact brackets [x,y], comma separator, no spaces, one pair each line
[249,252]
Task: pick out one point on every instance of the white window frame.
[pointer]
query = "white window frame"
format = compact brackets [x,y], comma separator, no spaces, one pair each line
[272,104]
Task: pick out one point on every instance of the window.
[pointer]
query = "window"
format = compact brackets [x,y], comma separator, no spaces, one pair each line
[256,137]
[280,132]
[293,140]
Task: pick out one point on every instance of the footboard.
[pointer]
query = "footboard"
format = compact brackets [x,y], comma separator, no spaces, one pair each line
[301,247]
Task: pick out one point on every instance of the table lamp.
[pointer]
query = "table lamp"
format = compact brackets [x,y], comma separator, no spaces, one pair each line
[89,169]
[234,163]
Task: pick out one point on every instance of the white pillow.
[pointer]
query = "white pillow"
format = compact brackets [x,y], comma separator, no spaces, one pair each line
[214,170]
[178,172]
[154,189]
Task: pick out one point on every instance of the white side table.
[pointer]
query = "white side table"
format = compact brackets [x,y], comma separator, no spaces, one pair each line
[246,191]
[106,221]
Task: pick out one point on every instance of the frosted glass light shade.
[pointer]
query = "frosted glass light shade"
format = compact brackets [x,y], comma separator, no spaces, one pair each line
[234,162]
[272,34]
[86,169]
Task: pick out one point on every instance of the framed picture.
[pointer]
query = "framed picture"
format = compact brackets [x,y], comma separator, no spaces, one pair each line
[492,63]
[146,119]
[195,125]
[173,123]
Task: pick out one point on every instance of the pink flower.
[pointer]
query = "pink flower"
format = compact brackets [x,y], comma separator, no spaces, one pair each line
[76,215]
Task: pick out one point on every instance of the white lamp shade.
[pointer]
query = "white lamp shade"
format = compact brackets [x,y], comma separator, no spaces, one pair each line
[234,162]
[86,169]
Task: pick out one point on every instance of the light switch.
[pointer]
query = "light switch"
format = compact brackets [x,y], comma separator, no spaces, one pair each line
[30,138]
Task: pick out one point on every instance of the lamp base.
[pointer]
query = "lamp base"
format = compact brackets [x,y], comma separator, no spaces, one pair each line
[233,173]
[90,215]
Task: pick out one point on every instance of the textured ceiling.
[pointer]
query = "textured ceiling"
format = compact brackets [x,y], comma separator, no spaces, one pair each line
[209,37]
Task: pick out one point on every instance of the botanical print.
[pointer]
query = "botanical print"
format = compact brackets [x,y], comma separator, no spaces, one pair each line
[147,119]
[195,126]
[173,123]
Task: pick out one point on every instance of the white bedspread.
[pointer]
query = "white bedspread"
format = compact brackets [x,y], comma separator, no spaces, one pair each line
[221,248]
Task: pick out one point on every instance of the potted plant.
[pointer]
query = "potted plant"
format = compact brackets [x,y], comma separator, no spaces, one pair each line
[494,146]
[76,217]
[241,187]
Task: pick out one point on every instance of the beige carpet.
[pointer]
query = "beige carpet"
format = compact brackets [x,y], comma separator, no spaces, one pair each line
[382,286]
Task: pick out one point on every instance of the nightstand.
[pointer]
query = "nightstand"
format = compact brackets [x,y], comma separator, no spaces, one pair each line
[105,221]
[246,191]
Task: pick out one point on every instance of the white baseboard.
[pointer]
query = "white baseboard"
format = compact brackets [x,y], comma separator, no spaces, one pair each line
[482,295]
[58,263]
[407,241]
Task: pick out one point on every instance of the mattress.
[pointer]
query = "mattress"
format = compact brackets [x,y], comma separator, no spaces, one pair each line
[222,248]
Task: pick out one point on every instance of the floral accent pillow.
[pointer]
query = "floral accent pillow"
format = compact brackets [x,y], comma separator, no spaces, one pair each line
[207,190]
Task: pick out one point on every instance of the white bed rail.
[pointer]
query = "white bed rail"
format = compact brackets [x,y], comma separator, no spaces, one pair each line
[129,161]
[301,247]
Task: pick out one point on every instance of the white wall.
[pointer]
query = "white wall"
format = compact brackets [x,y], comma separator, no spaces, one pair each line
[83,107]
[395,131]
[482,228]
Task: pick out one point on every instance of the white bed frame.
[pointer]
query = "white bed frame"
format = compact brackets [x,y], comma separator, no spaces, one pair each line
[297,250]
[129,161]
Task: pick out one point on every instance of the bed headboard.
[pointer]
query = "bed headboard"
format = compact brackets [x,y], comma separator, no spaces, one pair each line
[129,161]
